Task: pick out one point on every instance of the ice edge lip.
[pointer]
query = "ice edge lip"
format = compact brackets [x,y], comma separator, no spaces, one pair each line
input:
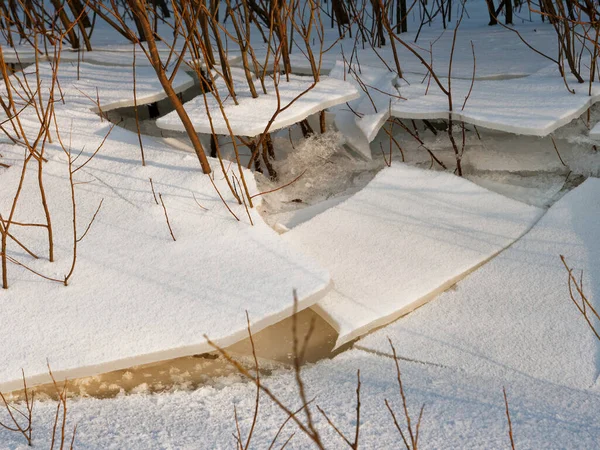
[164,355]
[171,122]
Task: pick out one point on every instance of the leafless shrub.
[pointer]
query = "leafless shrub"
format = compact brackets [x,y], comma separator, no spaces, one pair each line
[143,17]
[410,437]
[59,430]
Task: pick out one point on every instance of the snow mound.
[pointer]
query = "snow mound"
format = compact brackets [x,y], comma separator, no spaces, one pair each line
[514,315]
[403,238]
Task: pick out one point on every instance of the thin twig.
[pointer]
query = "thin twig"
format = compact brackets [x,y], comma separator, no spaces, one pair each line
[510,430]
[166,216]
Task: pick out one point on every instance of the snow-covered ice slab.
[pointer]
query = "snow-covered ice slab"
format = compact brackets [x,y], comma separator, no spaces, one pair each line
[520,106]
[136,295]
[122,55]
[113,86]
[86,84]
[252,115]
[514,315]
[407,235]
[377,88]
[496,50]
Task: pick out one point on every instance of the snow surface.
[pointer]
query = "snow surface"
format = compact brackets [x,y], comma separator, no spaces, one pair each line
[495,49]
[252,115]
[114,85]
[595,132]
[136,296]
[461,411]
[520,106]
[514,315]
[408,234]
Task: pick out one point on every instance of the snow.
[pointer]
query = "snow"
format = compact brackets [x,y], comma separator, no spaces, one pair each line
[405,236]
[377,89]
[520,106]
[136,296]
[595,132]
[114,85]
[252,115]
[461,411]
[514,315]
[495,49]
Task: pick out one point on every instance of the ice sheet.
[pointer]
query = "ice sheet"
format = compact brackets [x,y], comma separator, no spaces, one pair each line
[252,115]
[377,89]
[409,233]
[520,106]
[514,315]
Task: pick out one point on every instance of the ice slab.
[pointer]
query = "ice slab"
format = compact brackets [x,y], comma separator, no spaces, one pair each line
[377,88]
[252,115]
[495,50]
[113,86]
[514,316]
[520,106]
[136,295]
[408,234]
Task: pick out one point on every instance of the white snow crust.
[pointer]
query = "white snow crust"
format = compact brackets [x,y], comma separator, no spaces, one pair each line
[514,315]
[405,236]
[136,295]
[252,115]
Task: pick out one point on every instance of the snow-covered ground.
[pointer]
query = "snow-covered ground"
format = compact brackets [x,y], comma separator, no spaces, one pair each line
[172,256]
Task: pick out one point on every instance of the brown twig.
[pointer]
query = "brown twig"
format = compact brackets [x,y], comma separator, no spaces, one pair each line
[585,303]
[280,187]
[26,429]
[412,440]
[153,192]
[557,152]
[510,430]
[166,216]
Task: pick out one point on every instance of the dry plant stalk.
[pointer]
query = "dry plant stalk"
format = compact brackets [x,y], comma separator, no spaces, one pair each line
[307,426]
[584,306]
[411,441]
[354,443]
[166,216]
[27,416]
[510,430]
[72,171]
[140,10]
[59,431]
[33,142]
